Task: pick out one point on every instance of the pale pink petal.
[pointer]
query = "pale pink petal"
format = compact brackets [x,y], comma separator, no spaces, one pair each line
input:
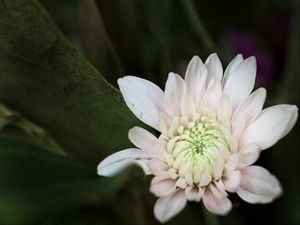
[258,185]
[205,178]
[175,89]
[240,82]
[169,206]
[249,154]
[232,181]
[162,185]
[232,163]
[217,165]
[270,126]
[213,94]
[158,167]
[232,66]
[195,78]
[188,107]
[116,162]
[143,98]
[164,123]
[293,119]
[218,189]
[214,67]
[193,193]
[218,206]
[225,107]
[142,138]
[251,107]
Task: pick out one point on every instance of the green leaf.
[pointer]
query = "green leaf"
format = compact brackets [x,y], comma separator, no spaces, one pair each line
[37,185]
[48,81]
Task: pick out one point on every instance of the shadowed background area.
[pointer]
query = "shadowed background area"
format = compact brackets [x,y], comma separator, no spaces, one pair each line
[61,112]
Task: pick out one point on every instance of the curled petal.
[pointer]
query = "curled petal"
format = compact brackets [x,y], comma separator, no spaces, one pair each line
[142,138]
[240,82]
[158,167]
[214,68]
[169,206]
[258,185]
[231,67]
[225,107]
[213,94]
[164,123]
[162,185]
[188,107]
[116,162]
[232,181]
[252,106]
[270,126]
[194,193]
[249,154]
[143,98]
[218,206]
[232,163]
[195,78]
[174,90]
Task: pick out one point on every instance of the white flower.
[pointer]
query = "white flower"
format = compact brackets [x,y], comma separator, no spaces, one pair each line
[212,130]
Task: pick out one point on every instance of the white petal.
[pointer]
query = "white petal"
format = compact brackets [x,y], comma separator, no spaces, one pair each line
[193,193]
[142,138]
[158,167]
[169,206]
[188,107]
[258,185]
[225,107]
[205,178]
[232,66]
[218,206]
[240,82]
[195,78]
[270,126]
[213,94]
[217,165]
[162,185]
[175,89]
[252,106]
[293,119]
[144,99]
[214,67]
[164,123]
[218,189]
[232,181]
[232,163]
[116,162]
[249,154]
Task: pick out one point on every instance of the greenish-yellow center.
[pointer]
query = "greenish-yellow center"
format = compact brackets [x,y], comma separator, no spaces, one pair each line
[197,150]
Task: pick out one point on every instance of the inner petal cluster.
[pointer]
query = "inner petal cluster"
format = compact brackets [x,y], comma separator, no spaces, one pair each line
[197,150]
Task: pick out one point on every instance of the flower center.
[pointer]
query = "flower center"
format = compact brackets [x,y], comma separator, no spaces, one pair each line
[197,150]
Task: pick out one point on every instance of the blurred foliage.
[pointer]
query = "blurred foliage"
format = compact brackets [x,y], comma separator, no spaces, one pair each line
[60,116]
[48,80]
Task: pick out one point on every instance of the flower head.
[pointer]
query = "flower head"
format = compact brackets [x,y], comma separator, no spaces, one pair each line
[212,131]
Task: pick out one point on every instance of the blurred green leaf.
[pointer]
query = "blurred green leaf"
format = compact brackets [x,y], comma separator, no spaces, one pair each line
[10,118]
[36,184]
[46,79]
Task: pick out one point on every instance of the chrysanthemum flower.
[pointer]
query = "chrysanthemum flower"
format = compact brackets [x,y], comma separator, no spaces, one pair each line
[212,131]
